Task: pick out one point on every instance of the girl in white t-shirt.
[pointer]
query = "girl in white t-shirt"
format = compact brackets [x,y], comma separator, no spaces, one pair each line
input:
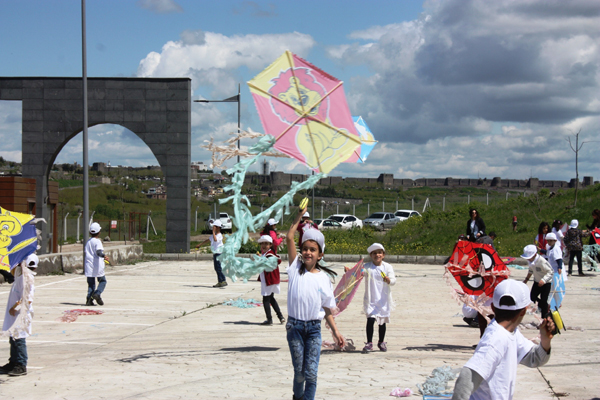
[310,299]
[378,303]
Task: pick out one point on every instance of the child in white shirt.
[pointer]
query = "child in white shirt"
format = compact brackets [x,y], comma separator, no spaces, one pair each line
[492,371]
[378,302]
[310,298]
[94,266]
[269,281]
[19,315]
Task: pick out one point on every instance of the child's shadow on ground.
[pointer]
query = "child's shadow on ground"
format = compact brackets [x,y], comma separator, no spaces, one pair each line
[242,323]
[250,348]
[74,304]
[438,346]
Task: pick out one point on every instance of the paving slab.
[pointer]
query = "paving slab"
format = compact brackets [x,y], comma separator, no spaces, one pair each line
[165,334]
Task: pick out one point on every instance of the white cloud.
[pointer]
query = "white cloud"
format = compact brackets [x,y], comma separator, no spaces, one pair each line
[160,6]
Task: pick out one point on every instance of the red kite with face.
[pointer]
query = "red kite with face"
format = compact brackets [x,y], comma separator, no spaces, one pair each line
[477,267]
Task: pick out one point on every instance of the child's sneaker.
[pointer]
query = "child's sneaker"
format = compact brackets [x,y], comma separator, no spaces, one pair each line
[281,320]
[382,346]
[98,299]
[368,347]
[6,368]
[89,302]
[268,322]
[18,370]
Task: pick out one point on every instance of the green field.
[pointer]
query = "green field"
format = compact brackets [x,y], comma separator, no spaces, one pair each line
[433,234]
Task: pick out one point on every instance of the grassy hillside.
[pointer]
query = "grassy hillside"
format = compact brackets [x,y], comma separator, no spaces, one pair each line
[436,231]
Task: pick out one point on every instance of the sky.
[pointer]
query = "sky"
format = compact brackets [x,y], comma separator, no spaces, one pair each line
[452,88]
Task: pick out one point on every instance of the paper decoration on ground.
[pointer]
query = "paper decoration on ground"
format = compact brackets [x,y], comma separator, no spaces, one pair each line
[72,315]
[305,109]
[242,303]
[476,267]
[346,289]
[367,139]
[508,260]
[18,238]
[435,384]
[557,292]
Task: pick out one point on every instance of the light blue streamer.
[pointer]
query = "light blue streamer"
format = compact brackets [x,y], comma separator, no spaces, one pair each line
[237,267]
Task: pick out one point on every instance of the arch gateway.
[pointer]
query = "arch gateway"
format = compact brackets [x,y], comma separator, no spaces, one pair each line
[157,110]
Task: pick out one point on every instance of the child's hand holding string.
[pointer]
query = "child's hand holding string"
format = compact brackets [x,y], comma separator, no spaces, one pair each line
[546,335]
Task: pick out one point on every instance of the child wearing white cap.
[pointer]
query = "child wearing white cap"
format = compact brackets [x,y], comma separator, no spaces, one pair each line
[305,225]
[378,302]
[270,230]
[269,281]
[19,315]
[94,266]
[216,246]
[310,299]
[492,371]
[542,273]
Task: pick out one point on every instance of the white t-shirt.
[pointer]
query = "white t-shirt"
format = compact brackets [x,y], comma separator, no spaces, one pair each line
[94,264]
[553,254]
[216,246]
[496,358]
[308,293]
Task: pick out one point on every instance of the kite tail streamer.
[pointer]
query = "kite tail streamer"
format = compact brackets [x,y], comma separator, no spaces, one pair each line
[592,251]
[244,268]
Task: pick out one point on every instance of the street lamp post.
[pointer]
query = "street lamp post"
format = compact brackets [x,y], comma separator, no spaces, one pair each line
[233,99]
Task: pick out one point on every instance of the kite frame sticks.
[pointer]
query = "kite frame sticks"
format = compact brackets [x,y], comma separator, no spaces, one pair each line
[238,267]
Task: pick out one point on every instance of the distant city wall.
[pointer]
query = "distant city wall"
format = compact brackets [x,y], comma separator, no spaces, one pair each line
[282,181]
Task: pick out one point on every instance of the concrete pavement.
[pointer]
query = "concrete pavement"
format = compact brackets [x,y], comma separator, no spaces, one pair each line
[165,334]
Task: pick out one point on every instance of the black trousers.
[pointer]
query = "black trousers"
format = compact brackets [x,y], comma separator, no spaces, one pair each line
[269,301]
[370,328]
[572,255]
[540,295]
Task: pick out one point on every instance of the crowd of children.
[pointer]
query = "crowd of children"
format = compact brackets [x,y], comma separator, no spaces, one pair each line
[489,374]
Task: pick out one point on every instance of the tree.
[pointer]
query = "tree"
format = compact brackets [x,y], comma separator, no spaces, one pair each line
[576,151]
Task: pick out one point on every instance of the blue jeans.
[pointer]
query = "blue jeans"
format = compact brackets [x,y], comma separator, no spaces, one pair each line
[304,340]
[18,352]
[218,269]
[92,285]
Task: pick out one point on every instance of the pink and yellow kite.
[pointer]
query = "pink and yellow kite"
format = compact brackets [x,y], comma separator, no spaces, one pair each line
[305,109]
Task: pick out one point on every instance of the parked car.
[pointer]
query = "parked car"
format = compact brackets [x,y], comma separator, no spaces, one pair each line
[406,214]
[347,221]
[329,224]
[225,220]
[382,220]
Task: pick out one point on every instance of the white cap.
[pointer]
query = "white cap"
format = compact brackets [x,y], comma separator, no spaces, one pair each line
[272,221]
[265,239]
[32,261]
[574,224]
[517,290]
[551,236]
[95,228]
[306,215]
[375,246]
[217,223]
[529,251]
[316,235]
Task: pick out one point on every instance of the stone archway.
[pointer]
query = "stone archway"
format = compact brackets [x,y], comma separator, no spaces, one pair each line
[157,110]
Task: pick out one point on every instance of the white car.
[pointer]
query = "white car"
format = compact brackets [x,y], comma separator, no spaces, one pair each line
[406,214]
[325,224]
[225,220]
[381,220]
[347,221]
